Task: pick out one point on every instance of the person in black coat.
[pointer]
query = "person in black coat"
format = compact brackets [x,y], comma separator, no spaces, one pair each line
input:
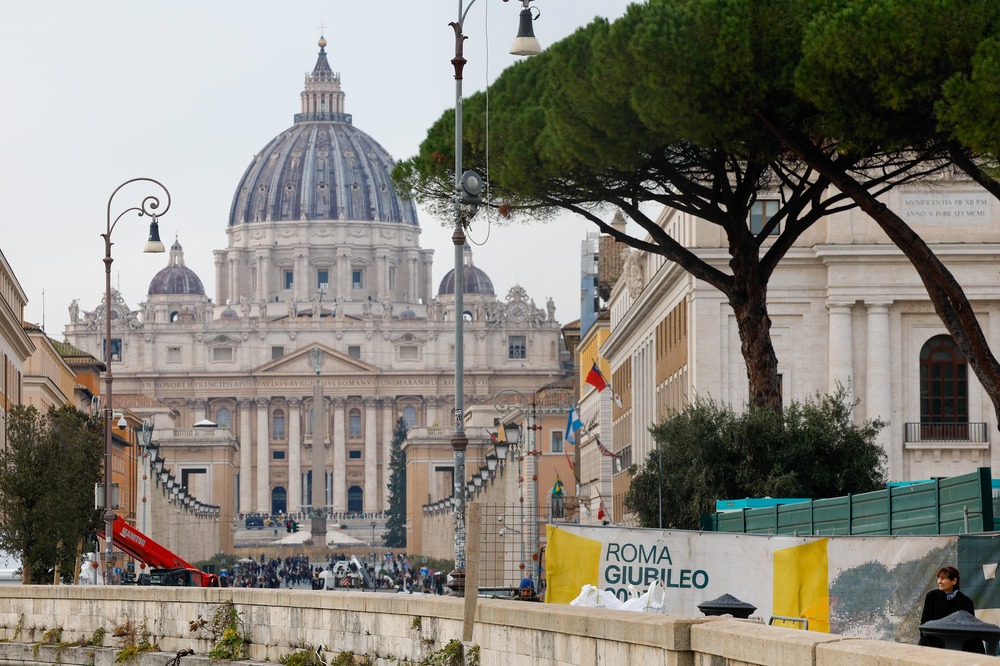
[944,601]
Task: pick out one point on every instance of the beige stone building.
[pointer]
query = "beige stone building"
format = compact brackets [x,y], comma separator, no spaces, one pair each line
[279,393]
[846,306]
[15,345]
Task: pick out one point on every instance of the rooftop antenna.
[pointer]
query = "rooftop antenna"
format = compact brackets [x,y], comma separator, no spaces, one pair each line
[43,309]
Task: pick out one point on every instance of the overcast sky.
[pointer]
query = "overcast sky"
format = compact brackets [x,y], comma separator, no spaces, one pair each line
[95,93]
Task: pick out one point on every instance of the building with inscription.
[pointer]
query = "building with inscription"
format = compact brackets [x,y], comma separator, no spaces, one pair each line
[845,306]
[323,330]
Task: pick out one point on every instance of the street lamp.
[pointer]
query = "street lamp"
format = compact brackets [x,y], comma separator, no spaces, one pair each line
[468,187]
[548,398]
[150,206]
[148,453]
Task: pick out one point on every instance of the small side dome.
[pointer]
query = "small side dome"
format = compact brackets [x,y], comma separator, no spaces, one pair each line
[476,281]
[229,313]
[407,314]
[176,279]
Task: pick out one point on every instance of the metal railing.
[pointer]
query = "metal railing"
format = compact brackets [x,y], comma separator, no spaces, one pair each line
[946,432]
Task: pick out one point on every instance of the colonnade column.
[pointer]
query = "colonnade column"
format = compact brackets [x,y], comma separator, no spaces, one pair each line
[339,456]
[878,385]
[220,277]
[246,458]
[371,454]
[294,456]
[388,430]
[413,293]
[263,274]
[427,288]
[381,275]
[300,281]
[263,451]
[343,277]
[234,279]
[841,347]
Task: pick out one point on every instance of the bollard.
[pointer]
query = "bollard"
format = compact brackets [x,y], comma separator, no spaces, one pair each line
[727,604]
[960,627]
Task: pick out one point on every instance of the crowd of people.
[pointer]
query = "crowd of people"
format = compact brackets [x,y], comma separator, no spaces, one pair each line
[279,519]
[394,572]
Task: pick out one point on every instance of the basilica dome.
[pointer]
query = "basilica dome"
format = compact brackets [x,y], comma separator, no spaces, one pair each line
[322,167]
[476,281]
[176,278]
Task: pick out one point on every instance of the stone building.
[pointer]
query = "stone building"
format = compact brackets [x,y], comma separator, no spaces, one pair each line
[846,307]
[323,330]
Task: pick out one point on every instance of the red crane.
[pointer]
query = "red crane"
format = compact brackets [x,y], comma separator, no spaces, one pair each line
[167,568]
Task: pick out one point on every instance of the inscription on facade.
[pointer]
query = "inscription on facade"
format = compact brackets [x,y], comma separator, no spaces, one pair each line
[299,384]
[946,207]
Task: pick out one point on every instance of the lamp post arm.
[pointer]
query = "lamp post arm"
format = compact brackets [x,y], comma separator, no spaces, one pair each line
[151,206]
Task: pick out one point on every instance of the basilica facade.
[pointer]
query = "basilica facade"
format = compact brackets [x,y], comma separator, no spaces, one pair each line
[279,393]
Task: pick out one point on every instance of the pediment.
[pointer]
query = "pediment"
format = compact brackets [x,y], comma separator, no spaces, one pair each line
[302,362]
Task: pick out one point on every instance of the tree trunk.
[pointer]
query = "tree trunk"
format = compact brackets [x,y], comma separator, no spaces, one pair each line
[748,298]
[950,301]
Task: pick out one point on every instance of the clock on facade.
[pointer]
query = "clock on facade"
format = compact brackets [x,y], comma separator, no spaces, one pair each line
[517,311]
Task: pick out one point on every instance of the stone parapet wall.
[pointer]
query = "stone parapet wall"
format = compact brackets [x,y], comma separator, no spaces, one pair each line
[408,628]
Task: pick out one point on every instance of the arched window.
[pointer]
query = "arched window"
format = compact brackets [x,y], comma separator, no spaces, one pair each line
[354,423]
[944,389]
[410,416]
[355,499]
[224,418]
[278,424]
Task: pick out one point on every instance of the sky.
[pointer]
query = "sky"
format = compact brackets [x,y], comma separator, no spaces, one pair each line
[186,92]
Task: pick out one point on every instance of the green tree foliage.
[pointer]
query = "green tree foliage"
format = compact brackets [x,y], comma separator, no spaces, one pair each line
[895,80]
[709,452]
[47,477]
[395,535]
[659,107]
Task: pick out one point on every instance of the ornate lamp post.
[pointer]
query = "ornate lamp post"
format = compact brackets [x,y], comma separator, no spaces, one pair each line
[151,206]
[468,187]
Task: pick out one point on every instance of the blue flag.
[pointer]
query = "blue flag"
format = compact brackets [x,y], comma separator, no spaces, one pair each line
[573,423]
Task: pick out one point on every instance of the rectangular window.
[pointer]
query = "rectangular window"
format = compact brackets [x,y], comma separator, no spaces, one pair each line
[358,278]
[222,354]
[354,455]
[354,351]
[557,441]
[277,455]
[408,353]
[392,279]
[277,352]
[322,279]
[288,279]
[761,213]
[354,423]
[517,347]
[173,354]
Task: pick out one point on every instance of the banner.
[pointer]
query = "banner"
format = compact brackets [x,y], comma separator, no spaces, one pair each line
[869,587]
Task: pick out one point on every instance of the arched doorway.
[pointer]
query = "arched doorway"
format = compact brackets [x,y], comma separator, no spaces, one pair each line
[355,499]
[279,501]
[944,390]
